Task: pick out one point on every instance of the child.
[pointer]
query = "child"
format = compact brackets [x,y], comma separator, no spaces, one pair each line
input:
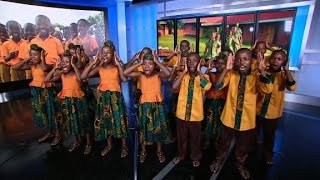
[238,116]
[215,100]
[136,83]
[43,94]
[4,68]
[10,49]
[74,110]
[211,47]
[111,119]
[180,51]
[270,106]
[89,43]
[189,112]
[29,34]
[152,118]
[259,49]
[47,42]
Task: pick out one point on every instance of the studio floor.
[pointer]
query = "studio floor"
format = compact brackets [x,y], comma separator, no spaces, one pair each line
[22,157]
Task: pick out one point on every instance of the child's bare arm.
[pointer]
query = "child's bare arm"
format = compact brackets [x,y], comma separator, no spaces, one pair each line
[120,69]
[51,76]
[22,65]
[130,71]
[164,73]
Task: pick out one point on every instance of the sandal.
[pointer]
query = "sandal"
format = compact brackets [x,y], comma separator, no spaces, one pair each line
[45,137]
[177,159]
[215,166]
[161,156]
[74,146]
[124,152]
[87,150]
[143,156]
[244,172]
[106,150]
[196,163]
[56,141]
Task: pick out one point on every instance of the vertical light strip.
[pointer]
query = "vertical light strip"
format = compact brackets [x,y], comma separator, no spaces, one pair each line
[122,34]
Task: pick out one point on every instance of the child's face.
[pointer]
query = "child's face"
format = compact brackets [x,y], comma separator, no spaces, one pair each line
[192,63]
[261,48]
[14,30]
[43,26]
[220,65]
[74,31]
[213,36]
[148,66]
[3,34]
[83,28]
[66,64]
[184,47]
[29,32]
[35,56]
[73,52]
[277,60]
[243,62]
[107,55]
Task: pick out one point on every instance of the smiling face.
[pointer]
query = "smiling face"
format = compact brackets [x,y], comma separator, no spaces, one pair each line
[34,56]
[29,31]
[107,54]
[43,26]
[192,62]
[277,59]
[3,33]
[14,30]
[184,47]
[243,61]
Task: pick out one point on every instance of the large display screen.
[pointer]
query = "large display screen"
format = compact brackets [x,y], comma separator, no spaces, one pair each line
[64,22]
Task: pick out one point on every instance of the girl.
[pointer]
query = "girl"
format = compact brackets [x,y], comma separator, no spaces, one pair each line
[43,94]
[111,119]
[153,123]
[74,110]
[214,102]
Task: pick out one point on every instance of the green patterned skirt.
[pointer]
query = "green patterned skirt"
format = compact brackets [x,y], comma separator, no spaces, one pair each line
[153,123]
[212,123]
[111,118]
[74,117]
[45,105]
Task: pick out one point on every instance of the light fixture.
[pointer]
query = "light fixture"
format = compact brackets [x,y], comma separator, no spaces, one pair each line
[251,29]
[287,25]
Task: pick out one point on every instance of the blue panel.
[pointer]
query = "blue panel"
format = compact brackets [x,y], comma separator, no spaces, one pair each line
[297,35]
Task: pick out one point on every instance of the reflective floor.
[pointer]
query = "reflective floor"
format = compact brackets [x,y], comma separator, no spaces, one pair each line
[21,157]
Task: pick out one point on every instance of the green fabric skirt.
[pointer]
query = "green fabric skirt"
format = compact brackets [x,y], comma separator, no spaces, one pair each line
[153,123]
[212,123]
[110,118]
[45,105]
[74,117]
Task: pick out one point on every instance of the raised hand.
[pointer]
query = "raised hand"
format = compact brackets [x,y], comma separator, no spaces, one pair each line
[155,57]
[58,64]
[185,67]
[199,67]
[72,62]
[230,62]
[177,50]
[116,60]
[262,65]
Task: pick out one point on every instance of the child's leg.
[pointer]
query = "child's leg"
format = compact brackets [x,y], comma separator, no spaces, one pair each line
[14,74]
[182,137]
[269,130]
[88,146]
[244,143]
[75,145]
[258,129]
[222,148]
[195,138]
[107,149]
[160,153]
[57,138]
[124,149]
[143,152]
[5,73]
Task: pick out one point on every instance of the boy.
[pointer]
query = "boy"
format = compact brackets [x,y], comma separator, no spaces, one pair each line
[193,85]
[50,44]
[179,52]
[29,34]
[4,68]
[89,43]
[238,116]
[270,106]
[10,49]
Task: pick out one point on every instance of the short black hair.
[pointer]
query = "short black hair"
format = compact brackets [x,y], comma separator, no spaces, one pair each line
[42,16]
[244,50]
[11,22]
[85,21]
[194,54]
[279,51]
[185,41]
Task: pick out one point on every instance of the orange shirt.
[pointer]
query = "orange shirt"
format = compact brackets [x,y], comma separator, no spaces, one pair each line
[51,45]
[11,46]
[1,57]
[71,87]
[150,88]
[109,79]
[24,50]
[215,93]
[38,77]
[89,44]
